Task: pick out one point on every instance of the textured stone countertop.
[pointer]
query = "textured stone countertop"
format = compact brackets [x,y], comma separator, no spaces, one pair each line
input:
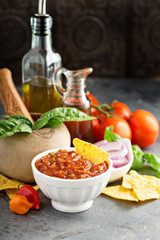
[108,218]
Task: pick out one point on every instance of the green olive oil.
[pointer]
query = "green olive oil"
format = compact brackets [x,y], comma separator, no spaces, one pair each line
[40,96]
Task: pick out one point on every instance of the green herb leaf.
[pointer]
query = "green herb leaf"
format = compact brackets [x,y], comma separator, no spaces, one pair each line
[138,160]
[153,160]
[9,127]
[59,115]
[110,136]
[19,117]
[157,175]
[147,170]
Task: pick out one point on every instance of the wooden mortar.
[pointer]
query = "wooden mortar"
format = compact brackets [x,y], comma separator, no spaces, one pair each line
[18,150]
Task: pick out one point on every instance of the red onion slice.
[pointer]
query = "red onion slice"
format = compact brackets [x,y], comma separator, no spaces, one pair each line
[121,162]
[116,155]
[118,151]
[101,143]
[109,146]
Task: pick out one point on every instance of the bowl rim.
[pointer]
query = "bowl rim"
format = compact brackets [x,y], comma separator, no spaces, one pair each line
[34,169]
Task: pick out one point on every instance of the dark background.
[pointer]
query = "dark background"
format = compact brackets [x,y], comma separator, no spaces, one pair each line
[118,38]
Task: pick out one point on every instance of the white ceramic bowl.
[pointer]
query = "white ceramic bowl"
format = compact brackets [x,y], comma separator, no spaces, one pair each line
[118,173]
[70,195]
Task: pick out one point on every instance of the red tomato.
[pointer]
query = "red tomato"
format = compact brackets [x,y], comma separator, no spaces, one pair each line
[100,116]
[121,110]
[145,128]
[120,126]
[95,125]
[94,101]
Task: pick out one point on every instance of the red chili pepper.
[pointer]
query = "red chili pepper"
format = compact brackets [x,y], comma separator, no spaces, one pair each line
[31,194]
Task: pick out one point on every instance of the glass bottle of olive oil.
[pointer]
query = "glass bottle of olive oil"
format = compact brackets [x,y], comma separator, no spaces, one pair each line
[38,66]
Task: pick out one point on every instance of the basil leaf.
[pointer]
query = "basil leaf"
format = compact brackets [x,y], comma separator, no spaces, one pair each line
[138,160]
[56,116]
[110,136]
[158,175]
[19,117]
[147,170]
[9,127]
[153,160]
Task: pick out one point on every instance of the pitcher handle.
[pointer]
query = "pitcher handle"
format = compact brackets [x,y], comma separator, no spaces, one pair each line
[58,80]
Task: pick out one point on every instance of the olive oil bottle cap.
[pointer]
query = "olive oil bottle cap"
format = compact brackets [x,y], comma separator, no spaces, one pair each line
[41,24]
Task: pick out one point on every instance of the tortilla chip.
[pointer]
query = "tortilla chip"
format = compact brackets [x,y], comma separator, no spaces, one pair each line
[145,188]
[11,186]
[127,181]
[6,183]
[120,192]
[11,192]
[90,151]
[135,187]
[36,187]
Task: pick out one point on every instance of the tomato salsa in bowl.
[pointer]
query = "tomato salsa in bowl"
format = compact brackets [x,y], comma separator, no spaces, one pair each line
[69,165]
[69,179]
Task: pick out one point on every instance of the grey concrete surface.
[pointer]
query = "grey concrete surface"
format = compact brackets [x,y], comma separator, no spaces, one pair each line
[108,219]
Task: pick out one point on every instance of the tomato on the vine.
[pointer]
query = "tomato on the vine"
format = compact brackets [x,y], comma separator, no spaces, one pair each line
[95,122]
[100,116]
[95,125]
[94,101]
[120,126]
[121,110]
[115,109]
[145,128]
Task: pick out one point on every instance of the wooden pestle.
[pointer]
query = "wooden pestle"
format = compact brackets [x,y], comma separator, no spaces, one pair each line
[9,96]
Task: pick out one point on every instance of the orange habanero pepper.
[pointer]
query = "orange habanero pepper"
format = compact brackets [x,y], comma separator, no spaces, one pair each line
[19,204]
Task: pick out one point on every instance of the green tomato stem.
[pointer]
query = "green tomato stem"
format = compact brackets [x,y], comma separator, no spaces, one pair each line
[99,108]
